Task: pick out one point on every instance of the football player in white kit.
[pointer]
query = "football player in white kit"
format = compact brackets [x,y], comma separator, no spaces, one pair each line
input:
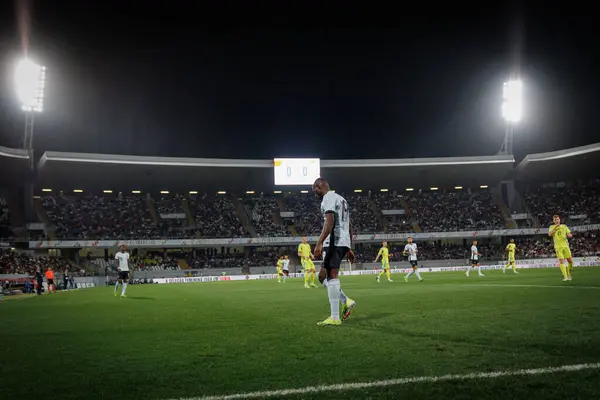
[122,258]
[334,244]
[411,251]
[475,254]
[286,268]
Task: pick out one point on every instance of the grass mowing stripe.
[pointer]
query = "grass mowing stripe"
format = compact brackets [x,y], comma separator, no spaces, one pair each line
[400,381]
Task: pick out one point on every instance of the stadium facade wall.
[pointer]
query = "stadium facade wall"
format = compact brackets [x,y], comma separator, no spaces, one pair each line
[290,240]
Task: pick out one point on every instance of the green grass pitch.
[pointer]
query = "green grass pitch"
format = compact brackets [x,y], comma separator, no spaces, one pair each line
[192,340]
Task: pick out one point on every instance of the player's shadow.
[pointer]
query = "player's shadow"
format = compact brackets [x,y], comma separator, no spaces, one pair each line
[141,298]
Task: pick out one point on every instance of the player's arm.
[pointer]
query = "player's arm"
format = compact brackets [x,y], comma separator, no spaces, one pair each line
[300,251]
[378,254]
[351,256]
[327,228]
[569,234]
[552,230]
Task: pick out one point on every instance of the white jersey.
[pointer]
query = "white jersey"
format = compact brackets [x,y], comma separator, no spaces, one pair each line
[474,253]
[411,250]
[286,265]
[336,204]
[123,261]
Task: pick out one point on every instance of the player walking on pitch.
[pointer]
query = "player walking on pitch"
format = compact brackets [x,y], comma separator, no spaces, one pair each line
[122,258]
[306,257]
[384,253]
[475,254]
[286,268]
[334,244]
[561,234]
[510,249]
[279,269]
[411,251]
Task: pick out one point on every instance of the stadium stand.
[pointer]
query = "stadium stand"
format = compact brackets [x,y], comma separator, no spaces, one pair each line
[5,228]
[461,210]
[216,217]
[14,262]
[576,203]
[100,217]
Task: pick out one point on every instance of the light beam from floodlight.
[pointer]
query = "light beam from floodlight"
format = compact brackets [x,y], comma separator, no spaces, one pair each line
[512,111]
[30,80]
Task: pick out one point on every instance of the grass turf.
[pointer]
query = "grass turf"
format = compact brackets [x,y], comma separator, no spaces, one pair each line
[184,340]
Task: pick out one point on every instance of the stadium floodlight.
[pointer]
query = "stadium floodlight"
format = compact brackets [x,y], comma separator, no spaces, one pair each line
[77,190]
[249,191]
[383,190]
[483,186]
[458,187]
[512,111]
[30,81]
[512,101]
[434,188]
[46,190]
[136,191]
[357,190]
[221,192]
[304,191]
[409,189]
[277,191]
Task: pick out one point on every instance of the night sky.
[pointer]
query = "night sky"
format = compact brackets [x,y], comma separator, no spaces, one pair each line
[242,83]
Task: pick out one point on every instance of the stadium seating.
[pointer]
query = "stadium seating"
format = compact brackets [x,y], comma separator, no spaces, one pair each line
[216,217]
[264,215]
[438,211]
[5,228]
[132,217]
[13,262]
[96,217]
[577,204]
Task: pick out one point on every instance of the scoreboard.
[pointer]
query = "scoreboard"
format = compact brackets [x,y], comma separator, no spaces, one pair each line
[296,171]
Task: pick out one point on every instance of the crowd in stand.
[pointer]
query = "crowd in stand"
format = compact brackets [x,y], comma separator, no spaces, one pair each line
[437,211]
[574,202]
[109,217]
[216,217]
[263,213]
[5,229]
[95,217]
[14,262]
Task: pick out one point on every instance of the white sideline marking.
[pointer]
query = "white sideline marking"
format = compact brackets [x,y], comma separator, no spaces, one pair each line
[535,286]
[395,382]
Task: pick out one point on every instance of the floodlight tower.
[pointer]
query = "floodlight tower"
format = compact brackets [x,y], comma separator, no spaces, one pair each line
[30,81]
[512,110]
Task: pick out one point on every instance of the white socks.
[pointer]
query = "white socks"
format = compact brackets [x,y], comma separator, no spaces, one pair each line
[333,291]
[116,286]
[343,297]
[124,288]
[414,271]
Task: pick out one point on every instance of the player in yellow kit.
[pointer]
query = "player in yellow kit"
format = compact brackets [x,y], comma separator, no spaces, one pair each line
[511,248]
[561,234]
[384,253]
[279,269]
[306,257]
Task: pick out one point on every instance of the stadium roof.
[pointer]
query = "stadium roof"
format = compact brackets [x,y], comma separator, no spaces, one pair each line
[14,165]
[66,171]
[569,164]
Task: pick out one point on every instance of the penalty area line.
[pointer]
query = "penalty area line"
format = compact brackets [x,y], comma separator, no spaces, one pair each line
[401,381]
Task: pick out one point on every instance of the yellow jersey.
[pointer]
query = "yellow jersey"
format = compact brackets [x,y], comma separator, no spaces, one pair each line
[279,264]
[384,253]
[511,248]
[560,236]
[304,250]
